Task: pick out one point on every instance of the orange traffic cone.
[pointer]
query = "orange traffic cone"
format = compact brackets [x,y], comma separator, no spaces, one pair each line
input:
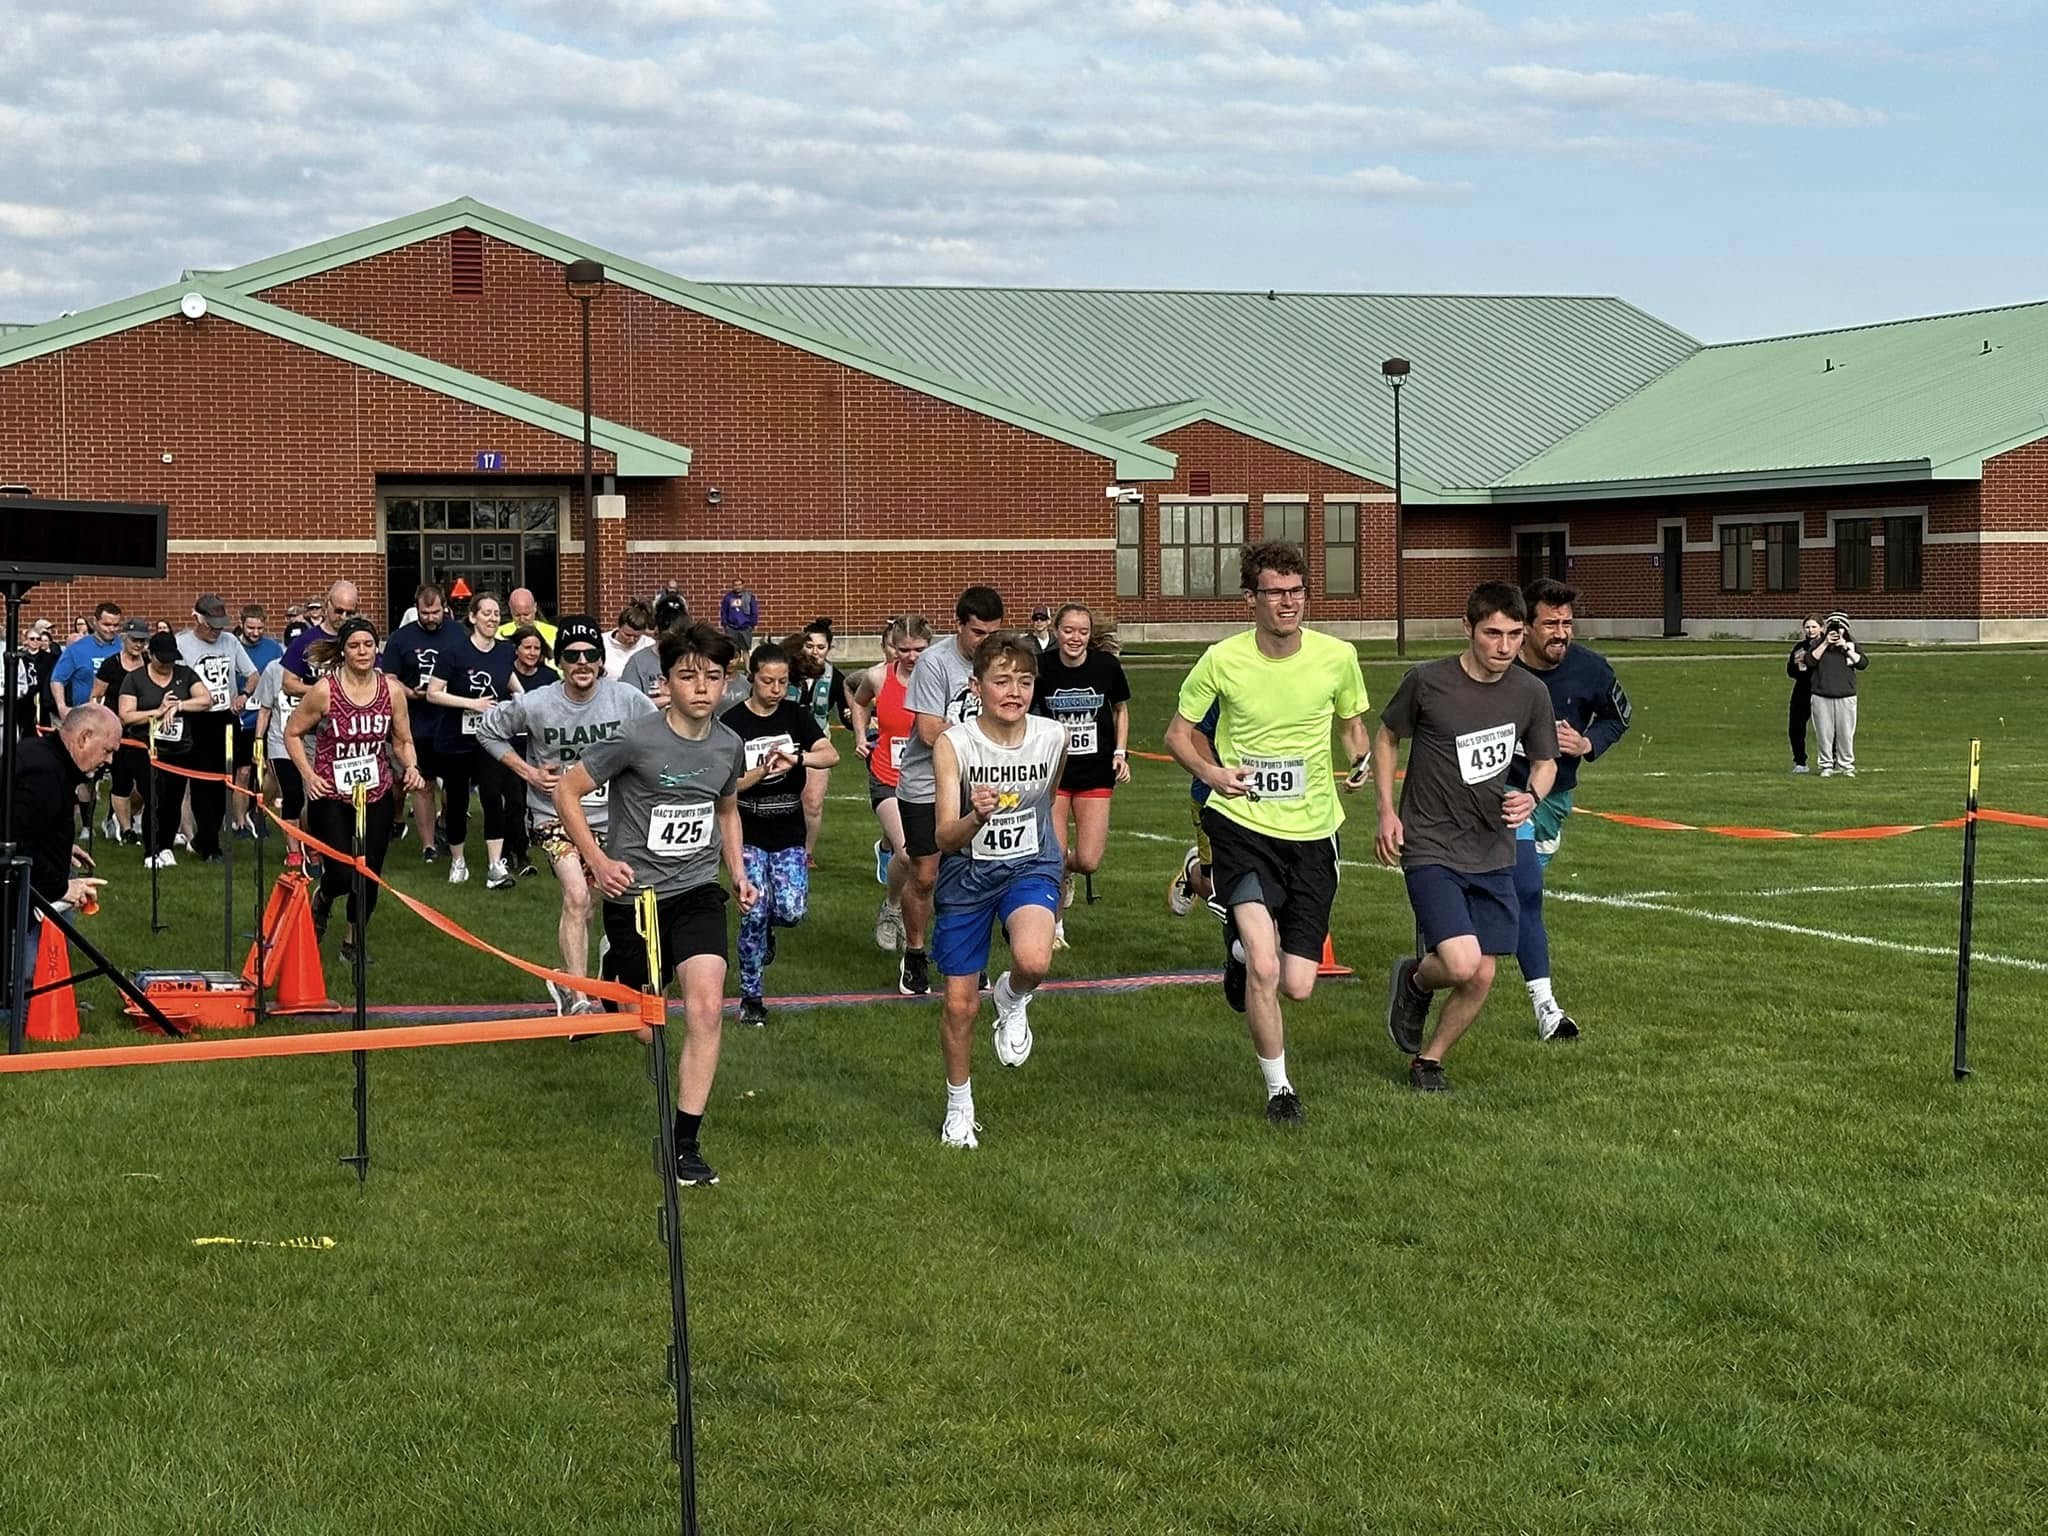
[1328,965]
[273,930]
[300,985]
[53,1015]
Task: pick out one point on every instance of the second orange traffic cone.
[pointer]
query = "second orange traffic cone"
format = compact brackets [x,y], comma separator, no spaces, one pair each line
[299,985]
[1328,965]
[53,1015]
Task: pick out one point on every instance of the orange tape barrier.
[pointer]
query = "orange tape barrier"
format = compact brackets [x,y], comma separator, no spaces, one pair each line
[1840,834]
[338,1042]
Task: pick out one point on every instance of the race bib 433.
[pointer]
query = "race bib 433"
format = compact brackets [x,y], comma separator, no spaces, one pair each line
[1484,755]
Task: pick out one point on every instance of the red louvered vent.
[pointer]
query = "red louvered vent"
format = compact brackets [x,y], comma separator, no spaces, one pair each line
[1198,482]
[466,264]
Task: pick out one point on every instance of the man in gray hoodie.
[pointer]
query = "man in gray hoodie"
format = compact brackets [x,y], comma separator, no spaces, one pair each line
[559,723]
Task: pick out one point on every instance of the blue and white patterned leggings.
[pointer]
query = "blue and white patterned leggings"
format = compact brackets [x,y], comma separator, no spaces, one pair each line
[784,880]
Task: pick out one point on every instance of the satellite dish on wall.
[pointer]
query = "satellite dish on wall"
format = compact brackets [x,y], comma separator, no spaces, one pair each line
[192,306]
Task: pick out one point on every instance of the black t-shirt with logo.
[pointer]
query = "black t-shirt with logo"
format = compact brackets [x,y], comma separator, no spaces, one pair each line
[174,740]
[772,812]
[1083,699]
[411,653]
[471,673]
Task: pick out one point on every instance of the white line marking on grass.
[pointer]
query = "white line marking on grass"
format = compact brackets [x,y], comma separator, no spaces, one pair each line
[1894,885]
[1798,930]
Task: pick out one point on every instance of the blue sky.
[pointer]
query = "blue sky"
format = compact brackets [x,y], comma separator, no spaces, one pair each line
[1737,170]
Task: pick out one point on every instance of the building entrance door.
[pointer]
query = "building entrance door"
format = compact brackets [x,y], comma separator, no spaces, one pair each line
[1674,579]
[492,539]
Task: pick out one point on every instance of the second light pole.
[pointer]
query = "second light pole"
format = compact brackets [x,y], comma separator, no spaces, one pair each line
[584,279]
[1395,371]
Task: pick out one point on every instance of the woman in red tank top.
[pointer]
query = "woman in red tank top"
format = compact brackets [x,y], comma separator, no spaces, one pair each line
[364,738]
[882,722]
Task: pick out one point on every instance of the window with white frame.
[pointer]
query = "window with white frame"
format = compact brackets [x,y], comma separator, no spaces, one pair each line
[1288,522]
[1340,548]
[1130,522]
[1198,547]
[1781,557]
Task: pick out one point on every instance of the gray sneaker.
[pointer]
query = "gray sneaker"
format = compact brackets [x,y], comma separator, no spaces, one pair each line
[1406,1013]
[499,876]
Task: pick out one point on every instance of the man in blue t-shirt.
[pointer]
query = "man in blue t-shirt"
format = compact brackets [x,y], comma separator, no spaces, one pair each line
[1592,713]
[1192,884]
[72,678]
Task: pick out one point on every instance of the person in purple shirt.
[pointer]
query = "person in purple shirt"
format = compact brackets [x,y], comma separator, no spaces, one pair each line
[739,614]
[343,603]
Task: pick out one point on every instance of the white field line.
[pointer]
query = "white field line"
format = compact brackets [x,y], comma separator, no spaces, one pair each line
[1894,885]
[1643,902]
[1798,930]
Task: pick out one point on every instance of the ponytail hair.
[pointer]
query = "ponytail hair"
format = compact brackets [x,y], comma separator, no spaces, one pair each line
[326,654]
[1101,634]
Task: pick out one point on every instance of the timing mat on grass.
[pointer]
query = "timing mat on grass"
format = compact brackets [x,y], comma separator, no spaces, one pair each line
[436,1012]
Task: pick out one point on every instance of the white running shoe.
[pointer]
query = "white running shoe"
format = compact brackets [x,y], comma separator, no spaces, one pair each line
[498,876]
[179,840]
[1067,892]
[1059,933]
[111,827]
[561,997]
[164,860]
[889,927]
[458,872]
[1012,1027]
[1180,890]
[958,1131]
[584,1005]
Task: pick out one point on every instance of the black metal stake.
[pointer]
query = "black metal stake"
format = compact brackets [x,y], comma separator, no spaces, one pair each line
[227,860]
[15,873]
[152,820]
[262,895]
[682,1433]
[1962,1051]
[361,1160]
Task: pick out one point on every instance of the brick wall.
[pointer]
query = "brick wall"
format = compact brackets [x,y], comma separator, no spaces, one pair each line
[1251,470]
[797,446]
[2015,499]
[243,437]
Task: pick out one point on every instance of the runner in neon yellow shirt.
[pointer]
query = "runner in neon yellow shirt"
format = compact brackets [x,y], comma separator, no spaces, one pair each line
[1273,815]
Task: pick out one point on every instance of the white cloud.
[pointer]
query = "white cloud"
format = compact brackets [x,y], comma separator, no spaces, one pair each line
[1663,96]
[886,138]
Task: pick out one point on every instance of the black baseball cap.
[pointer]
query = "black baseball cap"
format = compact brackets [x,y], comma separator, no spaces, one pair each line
[163,647]
[578,629]
[210,607]
[137,629]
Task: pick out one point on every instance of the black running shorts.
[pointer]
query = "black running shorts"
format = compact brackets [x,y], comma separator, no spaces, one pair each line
[921,829]
[1295,882]
[692,923]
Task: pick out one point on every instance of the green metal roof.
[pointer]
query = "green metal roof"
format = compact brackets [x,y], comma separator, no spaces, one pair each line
[1908,399]
[1133,459]
[1496,379]
[636,453]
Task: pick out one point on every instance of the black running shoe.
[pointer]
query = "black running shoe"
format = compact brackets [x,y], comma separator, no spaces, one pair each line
[769,958]
[914,975]
[527,868]
[1426,1076]
[431,853]
[1284,1108]
[1235,974]
[753,1011]
[1407,1012]
[692,1170]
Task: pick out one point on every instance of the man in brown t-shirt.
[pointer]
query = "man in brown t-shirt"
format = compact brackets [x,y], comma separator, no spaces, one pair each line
[1454,835]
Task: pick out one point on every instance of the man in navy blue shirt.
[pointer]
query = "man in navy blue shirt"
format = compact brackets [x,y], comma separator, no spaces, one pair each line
[1592,713]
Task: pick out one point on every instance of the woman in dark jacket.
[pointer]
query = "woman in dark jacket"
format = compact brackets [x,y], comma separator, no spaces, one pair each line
[1799,667]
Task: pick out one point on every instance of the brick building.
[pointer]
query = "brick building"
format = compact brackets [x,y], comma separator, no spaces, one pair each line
[406,401]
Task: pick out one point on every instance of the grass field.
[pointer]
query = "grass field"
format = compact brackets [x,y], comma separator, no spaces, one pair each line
[1742,1260]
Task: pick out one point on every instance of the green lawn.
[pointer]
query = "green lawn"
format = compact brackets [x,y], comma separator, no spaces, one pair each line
[1742,1260]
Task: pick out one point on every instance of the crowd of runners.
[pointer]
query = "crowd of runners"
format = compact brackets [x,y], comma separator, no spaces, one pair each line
[679,758]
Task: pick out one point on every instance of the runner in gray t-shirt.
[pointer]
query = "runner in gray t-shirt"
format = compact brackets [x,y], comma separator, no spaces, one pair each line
[940,694]
[217,656]
[1467,716]
[643,674]
[672,782]
[559,725]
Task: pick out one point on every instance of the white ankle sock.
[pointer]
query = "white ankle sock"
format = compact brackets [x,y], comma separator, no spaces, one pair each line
[1006,994]
[1539,995]
[1276,1073]
[960,1096]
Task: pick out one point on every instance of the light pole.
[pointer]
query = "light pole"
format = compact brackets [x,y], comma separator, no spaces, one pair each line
[584,279]
[1395,371]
